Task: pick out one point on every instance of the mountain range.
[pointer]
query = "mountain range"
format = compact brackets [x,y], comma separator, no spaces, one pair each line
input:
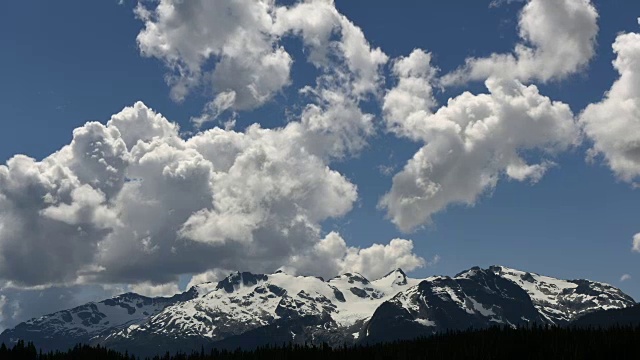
[248,310]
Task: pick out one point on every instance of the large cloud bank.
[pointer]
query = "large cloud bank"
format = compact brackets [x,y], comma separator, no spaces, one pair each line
[132,201]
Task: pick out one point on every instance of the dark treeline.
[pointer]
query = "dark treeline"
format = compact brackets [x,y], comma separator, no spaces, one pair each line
[494,343]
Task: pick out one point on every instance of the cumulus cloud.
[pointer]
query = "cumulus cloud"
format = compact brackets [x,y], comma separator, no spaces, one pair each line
[636,243]
[132,202]
[236,36]
[234,48]
[316,22]
[153,290]
[331,256]
[221,199]
[613,124]
[376,260]
[558,39]
[406,105]
[65,196]
[209,276]
[470,143]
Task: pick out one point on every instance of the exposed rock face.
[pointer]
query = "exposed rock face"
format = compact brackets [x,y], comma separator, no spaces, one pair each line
[478,298]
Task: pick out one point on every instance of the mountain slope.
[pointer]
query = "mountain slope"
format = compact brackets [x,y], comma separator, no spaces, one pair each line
[249,310]
[477,299]
[562,301]
[322,311]
[64,329]
[610,318]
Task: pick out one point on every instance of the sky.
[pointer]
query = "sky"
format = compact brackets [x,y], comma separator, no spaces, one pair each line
[150,146]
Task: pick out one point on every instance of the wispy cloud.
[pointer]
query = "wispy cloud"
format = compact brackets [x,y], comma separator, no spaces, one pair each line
[498,3]
[625,277]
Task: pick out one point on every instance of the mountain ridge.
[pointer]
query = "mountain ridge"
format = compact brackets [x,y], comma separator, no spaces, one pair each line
[256,309]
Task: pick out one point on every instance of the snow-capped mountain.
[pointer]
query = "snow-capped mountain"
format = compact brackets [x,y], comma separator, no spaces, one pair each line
[562,301]
[248,309]
[477,298]
[333,311]
[84,323]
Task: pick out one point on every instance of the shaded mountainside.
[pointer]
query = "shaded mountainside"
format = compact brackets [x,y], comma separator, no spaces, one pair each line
[477,299]
[251,310]
[610,318]
[562,301]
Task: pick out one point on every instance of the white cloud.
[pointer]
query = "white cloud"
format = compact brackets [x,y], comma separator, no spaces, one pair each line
[153,290]
[614,123]
[316,21]
[223,199]
[209,276]
[406,105]
[498,3]
[54,212]
[140,123]
[636,243]
[331,256]
[132,202]
[350,72]
[469,144]
[236,36]
[234,48]
[376,260]
[625,277]
[558,39]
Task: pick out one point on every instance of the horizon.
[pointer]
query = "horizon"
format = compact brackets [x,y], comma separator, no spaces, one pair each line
[148,146]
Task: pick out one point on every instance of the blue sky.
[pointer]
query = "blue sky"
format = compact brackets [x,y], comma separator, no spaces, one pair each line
[66,63]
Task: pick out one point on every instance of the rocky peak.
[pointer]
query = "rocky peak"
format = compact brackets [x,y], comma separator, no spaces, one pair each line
[396,277]
[352,278]
[233,281]
[562,301]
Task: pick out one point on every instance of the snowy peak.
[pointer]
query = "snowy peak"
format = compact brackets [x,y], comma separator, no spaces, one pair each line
[249,308]
[395,278]
[244,302]
[562,301]
[351,278]
[202,289]
[470,273]
[476,298]
[83,323]
[236,280]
